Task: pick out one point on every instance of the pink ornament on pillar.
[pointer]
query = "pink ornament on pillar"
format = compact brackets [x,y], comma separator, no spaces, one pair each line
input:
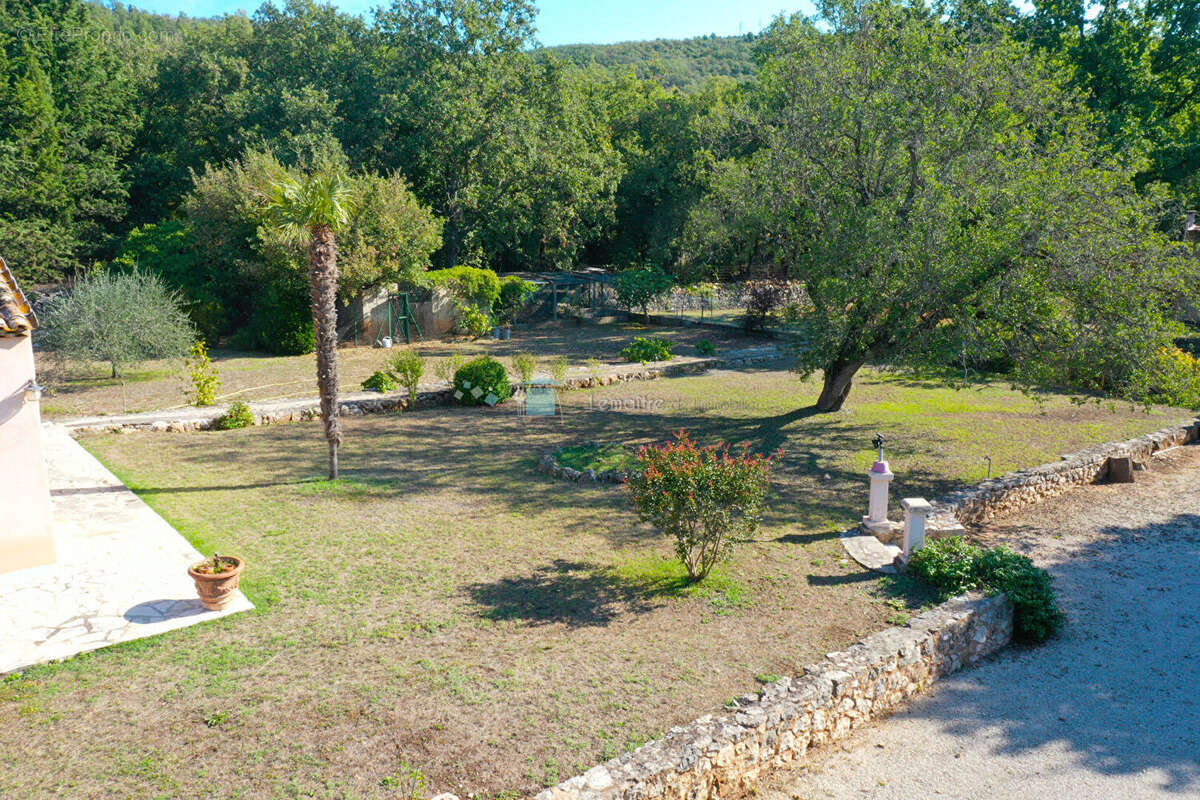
[876,520]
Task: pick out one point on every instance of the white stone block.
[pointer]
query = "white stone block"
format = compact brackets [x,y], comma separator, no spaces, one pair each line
[916,510]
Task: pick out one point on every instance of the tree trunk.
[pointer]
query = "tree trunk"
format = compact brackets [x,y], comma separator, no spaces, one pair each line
[839,376]
[450,245]
[322,278]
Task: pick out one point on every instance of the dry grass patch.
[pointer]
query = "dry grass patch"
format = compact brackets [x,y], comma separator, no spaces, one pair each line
[79,391]
[446,612]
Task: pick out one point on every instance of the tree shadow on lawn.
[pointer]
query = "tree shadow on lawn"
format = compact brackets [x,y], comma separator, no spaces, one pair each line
[571,593]
[582,594]
[912,593]
[1117,686]
[491,455]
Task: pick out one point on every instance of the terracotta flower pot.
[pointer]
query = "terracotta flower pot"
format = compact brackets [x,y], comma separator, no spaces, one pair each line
[216,588]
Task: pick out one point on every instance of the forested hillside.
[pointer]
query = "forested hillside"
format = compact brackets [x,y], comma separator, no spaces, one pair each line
[682,63]
[132,140]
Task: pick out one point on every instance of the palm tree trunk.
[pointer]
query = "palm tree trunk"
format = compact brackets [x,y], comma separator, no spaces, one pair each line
[322,279]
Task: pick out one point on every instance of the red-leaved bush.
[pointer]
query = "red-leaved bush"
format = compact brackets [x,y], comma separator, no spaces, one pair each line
[764,297]
[707,498]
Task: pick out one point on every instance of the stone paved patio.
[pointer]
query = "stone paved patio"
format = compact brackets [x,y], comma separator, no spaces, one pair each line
[121,572]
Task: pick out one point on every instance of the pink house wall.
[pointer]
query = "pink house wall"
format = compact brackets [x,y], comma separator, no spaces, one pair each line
[26,539]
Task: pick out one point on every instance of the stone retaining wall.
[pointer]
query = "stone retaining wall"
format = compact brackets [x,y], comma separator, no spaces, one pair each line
[612,313]
[984,501]
[192,419]
[270,414]
[722,755]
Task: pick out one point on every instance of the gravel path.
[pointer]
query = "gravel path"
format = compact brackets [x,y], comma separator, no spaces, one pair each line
[1110,709]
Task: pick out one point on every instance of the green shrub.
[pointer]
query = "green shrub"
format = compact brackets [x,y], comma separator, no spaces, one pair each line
[1176,378]
[380,381]
[295,337]
[703,497]
[470,285]
[472,321]
[1036,615]
[407,367]
[480,379]
[204,377]
[705,348]
[638,288]
[474,291]
[282,321]
[121,318]
[558,369]
[523,365]
[643,349]
[515,293]
[954,566]
[446,367]
[282,329]
[239,415]
[948,564]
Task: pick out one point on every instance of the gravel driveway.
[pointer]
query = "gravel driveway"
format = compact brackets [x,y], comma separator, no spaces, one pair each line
[1110,709]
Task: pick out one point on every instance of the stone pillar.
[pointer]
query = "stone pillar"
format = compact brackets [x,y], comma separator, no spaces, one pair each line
[876,520]
[916,509]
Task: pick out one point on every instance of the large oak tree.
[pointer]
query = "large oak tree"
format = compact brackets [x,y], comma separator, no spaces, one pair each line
[943,196]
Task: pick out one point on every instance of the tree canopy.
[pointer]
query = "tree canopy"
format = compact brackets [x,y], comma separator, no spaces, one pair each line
[133,137]
[942,195]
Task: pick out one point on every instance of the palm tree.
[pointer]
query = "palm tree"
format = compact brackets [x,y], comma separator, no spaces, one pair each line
[312,207]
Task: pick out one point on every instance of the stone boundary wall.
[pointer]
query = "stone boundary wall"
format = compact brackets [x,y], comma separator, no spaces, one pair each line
[195,419]
[722,755]
[984,501]
[659,318]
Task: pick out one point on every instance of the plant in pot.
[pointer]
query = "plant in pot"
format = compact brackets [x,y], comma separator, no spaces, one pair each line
[216,580]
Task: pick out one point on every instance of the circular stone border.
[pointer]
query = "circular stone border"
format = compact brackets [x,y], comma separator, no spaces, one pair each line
[548,464]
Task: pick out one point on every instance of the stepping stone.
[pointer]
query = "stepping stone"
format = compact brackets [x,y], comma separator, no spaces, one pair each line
[870,552]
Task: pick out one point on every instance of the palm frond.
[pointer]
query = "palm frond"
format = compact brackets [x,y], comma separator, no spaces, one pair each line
[296,202]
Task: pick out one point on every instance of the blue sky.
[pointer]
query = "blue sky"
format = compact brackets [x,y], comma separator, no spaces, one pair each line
[578,21]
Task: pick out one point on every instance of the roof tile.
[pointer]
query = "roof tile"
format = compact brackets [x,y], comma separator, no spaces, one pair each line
[16,317]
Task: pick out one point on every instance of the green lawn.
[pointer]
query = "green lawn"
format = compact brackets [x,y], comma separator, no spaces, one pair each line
[600,457]
[446,608]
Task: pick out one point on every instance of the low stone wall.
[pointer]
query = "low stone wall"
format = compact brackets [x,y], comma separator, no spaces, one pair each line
[721,755]
[984,501]
[619,314]
[548,464]
[268,414]
[668,369]
[359,403]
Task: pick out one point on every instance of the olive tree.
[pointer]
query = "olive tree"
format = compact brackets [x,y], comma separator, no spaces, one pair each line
[119,318]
